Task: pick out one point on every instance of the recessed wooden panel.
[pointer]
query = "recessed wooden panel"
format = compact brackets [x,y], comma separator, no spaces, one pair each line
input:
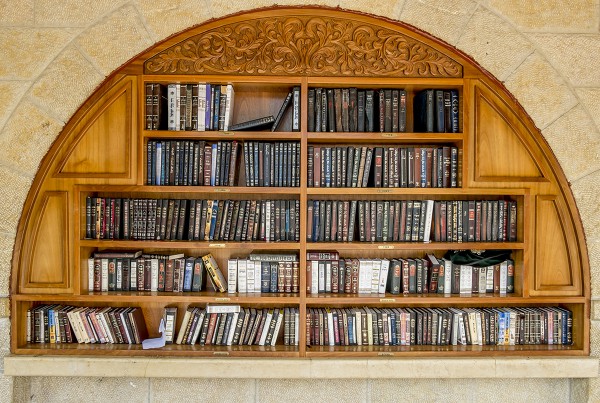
[49,262]
[501,154]
[103,147]
[556,263]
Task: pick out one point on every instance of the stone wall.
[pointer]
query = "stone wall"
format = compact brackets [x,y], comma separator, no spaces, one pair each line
[55,52]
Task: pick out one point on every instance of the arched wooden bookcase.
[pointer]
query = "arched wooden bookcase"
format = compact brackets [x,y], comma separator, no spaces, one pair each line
[102,151]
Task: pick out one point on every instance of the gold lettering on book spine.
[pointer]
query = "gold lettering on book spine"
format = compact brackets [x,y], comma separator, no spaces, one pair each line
[303,45]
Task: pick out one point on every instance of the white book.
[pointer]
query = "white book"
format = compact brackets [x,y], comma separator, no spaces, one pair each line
[482,279]
[265,331]
[383,275]
[172,102]
[104,277]
[229,107]
[184,323]
[222,308]
[375,271]
[90,275]
[479,329]
[369,326]
[428,219]
[296,326]
[489,283]
[503,276]
[277,327]
[321,276]
[267,222]
[232,276]
[512,330]
[213,170]
[358,326]
[234,321]
[447,277]
[202,107]
[257,274]
[198,327]
[158,163]
[330,327]
[133,273]
[327,276]
[466,279]
[72,316]
[107,327]
[251,278]
[364,276]
[119,275]
[154,275]
[314,277]
[241,274]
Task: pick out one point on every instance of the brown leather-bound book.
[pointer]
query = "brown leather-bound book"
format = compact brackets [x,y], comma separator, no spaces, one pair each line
[337,102]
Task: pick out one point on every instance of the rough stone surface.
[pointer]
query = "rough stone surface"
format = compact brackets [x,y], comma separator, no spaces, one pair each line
[593,245]
[72,13]
[579,125]
[595,338]
[389,9]
[6,248]
[594,390]
[220,8]
[116,39]
[165,19]
[6,388]
[315,390]
[27,51]
[54,89]
[579,390]
[549,15]
[208,390]
[590,99]
[62,390]
[521,390]
[444,19]
[4,307]
[411,390]
[10,94]
[4,341]
[21,389]
[586,194]
[16,13]
[13,187]
[541,91]
[493,43]
[27,137]
[575,56]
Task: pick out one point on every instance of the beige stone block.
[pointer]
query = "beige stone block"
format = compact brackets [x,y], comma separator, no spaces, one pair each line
[493,43]
[89,390]
[208,390]
[595,314]
[6,248]
[72,13]
[16,13]
[595,338]
[27,137]
[6,388]
[4,307]
[13,187]
[521,390]
[116,39]
[27,51]
[594,390]
[21,389]
[589,98]
[579,390]
[167,18]
[549,15]
[390,9]
[574,56]
[593,245]
[10,95]
[586,194]
[441,18]
[312,390]
[421,390]
[575,124]
[541,90]
[66,83]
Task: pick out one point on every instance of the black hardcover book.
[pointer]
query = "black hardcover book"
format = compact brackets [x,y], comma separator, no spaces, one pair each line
[311,110]
[360,111]
[324,111]
[331,124]
[387,120]
[370,110]
[353,110]
[281,113]
[296,109]
[254,124]
[455,111]
[345,109]
[318,109]
[337,109]
[402,99]
[395,110]
[439,111]
[381,109]
[424,111]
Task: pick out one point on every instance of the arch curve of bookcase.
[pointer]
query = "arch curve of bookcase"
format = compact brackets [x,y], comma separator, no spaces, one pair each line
[102,146]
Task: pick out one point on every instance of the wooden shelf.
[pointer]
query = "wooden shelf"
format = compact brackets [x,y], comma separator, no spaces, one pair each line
[432,192]
[222,135]
[204,297]
[343,246]
[122,244]
[441,300]
[376,138]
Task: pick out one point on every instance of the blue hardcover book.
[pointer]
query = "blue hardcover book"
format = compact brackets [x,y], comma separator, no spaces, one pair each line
[351,336]
[217,107]
[273,282]
[455,112]
[394,340]
[265,276]
[213,163]
[188,274]
[213,220]
[315,229]
[208,110]
[327,155]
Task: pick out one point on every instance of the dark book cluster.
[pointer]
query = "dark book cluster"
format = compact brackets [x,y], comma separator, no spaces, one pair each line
[327,273]
[410,221]
[227,325]
[506,326]
[356,110]
[272,163]
[264,273]
[192,163]
[437,111]
[58,324]
[192,220]
[383,167]
[475,221]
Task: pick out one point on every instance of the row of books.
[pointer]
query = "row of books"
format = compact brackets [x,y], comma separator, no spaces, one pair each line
[383,110]
[226,325]
[330,274]
[191,163]
[264,273]
[438,326]
[383,166]
[272,163]
[412,220]
[58,324]
[182,219]
[205,106]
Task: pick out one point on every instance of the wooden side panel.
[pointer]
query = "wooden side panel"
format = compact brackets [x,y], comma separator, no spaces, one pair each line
[557,264]
[103,146]
[496,129]
[46,266]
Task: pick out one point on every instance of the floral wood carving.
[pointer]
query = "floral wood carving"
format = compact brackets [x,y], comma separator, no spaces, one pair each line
[303,45]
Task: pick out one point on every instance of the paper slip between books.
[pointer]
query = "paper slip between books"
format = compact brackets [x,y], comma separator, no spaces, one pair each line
[157,342]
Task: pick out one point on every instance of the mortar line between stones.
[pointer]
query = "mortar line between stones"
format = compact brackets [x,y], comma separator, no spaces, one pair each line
[151,34]
[584,176]
[16,171]
[509,74]
[464,28]
[402,9]
[84,54]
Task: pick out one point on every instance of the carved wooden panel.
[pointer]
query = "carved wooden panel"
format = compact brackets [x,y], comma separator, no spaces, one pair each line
[103,146]
[47,265]
[557,265]
[303,45]
[496,130]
